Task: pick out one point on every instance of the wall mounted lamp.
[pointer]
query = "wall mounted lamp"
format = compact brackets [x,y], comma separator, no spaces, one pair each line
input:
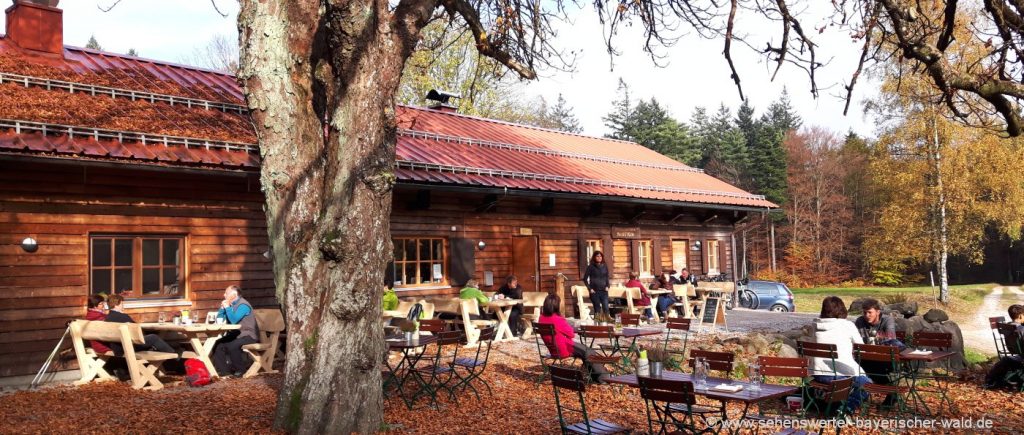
[29,245]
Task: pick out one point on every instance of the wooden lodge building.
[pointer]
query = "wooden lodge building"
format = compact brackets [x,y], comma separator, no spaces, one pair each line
[120,173]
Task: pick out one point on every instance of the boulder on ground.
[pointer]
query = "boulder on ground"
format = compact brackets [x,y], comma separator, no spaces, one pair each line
[935,315]
[787,351]
[907,309]
[857,306]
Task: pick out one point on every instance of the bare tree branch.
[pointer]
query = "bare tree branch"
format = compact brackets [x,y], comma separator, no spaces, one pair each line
[728,44]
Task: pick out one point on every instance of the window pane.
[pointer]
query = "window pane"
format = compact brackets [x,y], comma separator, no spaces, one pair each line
[101,253]
[425,276]
[123,252]
[150,254]
[410,249]
[438,249]
[410,273]
[424,246]
[171,282]
[399,249]
[122,279]
[101,280]
[171,255]
[150,281]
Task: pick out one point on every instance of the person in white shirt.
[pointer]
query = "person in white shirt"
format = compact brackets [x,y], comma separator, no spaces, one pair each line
[832,327]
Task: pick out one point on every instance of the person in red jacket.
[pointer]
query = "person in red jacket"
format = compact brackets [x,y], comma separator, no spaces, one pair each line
[562,344]
[97,311]
[645,299]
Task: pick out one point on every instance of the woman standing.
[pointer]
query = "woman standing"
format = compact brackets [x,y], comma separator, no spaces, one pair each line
[596,279]
[512,290]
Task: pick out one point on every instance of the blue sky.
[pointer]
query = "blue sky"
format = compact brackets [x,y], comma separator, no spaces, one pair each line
[696,74]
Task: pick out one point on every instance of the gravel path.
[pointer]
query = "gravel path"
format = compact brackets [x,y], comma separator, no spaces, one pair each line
[978,333]
[744,320]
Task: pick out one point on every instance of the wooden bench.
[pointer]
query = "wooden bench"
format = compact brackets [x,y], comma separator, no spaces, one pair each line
[532,303]
[687,300]
[467,308]
[270,323]
[584,308]
[627,293]
[142,365]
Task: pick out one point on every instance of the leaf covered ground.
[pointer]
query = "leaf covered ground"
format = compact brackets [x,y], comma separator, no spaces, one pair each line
[516,406]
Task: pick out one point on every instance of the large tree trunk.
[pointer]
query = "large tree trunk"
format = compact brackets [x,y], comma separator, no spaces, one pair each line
[320,80]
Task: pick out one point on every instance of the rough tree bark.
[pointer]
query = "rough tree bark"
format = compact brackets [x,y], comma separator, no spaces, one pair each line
[942,256]
[320,80]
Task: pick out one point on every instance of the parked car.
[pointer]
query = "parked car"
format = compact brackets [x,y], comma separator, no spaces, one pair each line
[765,295]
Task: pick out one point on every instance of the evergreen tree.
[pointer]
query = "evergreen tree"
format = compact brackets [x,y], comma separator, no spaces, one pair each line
[133,53]
[562,117]
[652,126]
[767,153]
[723,146]
[93,43]
[618,119]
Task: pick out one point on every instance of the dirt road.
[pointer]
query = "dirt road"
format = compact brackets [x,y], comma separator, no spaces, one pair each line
[977,333]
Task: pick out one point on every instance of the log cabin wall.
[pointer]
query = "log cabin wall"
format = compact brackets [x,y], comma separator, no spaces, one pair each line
[561,231]
[60,205]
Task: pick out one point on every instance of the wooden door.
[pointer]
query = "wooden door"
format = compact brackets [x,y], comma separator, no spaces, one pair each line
[526,262]
[680,252]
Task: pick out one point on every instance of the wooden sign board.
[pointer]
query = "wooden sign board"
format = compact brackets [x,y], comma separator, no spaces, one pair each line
[525,231]
[625,233]
[712,312]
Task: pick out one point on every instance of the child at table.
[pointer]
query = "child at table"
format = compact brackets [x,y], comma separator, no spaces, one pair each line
[562,345]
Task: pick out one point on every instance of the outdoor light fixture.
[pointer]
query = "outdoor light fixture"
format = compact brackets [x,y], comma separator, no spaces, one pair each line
[481,245]
[29,245]
[267,254]
[696,245]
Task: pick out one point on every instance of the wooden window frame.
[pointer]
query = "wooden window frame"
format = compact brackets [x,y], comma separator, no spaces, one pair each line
[645,252]
[444,264]
[137,266]
[713,252]
[594,245]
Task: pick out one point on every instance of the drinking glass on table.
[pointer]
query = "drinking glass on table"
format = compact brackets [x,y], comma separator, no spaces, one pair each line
[700,373]
[161,317]
[195,317]
[754,375]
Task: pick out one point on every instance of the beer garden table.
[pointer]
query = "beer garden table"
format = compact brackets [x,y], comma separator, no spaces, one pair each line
[914,362]
[656,295]
[745,396]
[503,307]
[402,371]
[202,337]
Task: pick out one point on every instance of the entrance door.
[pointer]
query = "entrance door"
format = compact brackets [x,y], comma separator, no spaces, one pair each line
[526,262]
[679,254]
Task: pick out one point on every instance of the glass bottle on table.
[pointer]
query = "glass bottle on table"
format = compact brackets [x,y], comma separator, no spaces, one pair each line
[700,373]
[754,374]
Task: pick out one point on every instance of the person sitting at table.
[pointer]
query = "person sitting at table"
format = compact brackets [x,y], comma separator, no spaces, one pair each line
[228,358]
[117,315]
[686,278]
[996,376]
[470,291]
[562,345]
[97,312]
[832,328]
[664,282]
[874,323]
[512,290]
[645,299]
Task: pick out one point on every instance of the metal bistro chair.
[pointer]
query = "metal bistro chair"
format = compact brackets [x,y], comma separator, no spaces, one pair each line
[540,331]
[673,402]
[574,380]
[440,372]
[609,352]
[997,338]
[681,327]
[630,319]
[1014,346]
[885,364]
[814,389]
[780,368]
[717,362]
[941,341]
[834,397]
[474,367]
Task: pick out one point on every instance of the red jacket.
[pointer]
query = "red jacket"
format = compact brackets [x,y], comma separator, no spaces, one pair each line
[645,299]
[97,346]
[561,345]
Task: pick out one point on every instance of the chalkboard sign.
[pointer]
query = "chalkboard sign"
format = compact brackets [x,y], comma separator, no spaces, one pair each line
[712,312]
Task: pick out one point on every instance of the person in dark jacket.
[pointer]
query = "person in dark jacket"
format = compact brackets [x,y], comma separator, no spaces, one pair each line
[596,279]
[153,341]
[665,301]
[227,355]
[512,290]
[997,375]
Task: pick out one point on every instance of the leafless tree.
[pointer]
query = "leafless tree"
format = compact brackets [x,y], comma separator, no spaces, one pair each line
[220,53]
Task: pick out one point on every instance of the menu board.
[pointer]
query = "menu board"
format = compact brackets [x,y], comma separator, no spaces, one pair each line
[712,312]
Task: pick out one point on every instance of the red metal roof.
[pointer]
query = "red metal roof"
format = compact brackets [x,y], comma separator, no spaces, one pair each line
[135,110]
[443,147]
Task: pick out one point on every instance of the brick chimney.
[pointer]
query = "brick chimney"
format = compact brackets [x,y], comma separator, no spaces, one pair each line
[36,25]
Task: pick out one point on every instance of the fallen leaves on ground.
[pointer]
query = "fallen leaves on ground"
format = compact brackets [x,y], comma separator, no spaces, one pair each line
[516,405]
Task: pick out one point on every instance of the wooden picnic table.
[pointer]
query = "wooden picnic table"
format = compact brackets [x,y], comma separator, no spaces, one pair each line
[745,396]
[656,295]
[503,307]
[202,337]
[402,371]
